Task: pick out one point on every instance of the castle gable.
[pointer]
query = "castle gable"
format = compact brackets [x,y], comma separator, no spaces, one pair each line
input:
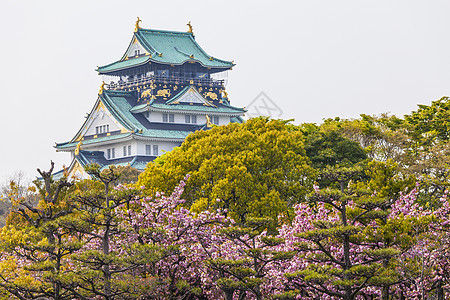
[190,96]
[135,49]
[100,122]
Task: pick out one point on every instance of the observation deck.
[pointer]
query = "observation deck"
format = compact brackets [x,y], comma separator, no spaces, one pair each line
[131,84]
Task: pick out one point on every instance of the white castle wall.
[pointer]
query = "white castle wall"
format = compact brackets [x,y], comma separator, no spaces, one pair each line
[138,147]
[180,118]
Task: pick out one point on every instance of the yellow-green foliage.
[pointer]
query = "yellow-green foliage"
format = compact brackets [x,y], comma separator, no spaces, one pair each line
[257,168]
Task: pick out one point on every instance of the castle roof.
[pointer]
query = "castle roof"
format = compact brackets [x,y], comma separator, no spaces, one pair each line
[97,157]
[127,111]
[166,47]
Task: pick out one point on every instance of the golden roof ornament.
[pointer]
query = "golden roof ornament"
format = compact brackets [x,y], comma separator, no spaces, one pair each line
[102,88]
[225,94]
[190,30]
[78,148]
[208,121]
[137,25]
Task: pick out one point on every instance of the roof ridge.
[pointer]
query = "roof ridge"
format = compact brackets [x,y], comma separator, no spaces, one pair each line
[161,31]
[179,51]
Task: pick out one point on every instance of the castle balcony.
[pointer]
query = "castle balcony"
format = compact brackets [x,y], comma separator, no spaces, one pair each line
[147,80]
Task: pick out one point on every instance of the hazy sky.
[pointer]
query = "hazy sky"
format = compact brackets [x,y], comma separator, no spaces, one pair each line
[315,59]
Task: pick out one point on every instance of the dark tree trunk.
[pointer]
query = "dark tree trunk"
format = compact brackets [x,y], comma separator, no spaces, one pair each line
[106,269]
[229,295]
[440,290]
[385,293]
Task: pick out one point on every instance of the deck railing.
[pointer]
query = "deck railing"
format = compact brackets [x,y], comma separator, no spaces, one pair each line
[158,79]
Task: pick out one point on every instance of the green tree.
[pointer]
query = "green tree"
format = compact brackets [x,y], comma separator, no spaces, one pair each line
[126,174]
[99,270]
[382,137]
[34,250]
[386,178]
[258,168]
[252,257]
[330,148]
[344,255]
[16,187]
[430,124]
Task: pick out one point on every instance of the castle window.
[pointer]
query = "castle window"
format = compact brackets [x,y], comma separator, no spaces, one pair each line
[168,118]
[129,150]
[136,52]
[155,150]
[191,119]
[124,150]
[113,152]
[108,153]
[148,150]
[216,120]
[101,129]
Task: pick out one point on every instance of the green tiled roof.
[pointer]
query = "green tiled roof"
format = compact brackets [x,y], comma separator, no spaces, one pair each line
[121,109]
[140,165]
[118,104]
[168,47]
[118,65]
[88,157]
[199,108]
[149,133]
[68,145]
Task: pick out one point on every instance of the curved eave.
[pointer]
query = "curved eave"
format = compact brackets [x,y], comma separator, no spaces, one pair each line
[158,139]
[192,60]
[99,141]
[127,137]
[198,112]
[152,60]
[102,72]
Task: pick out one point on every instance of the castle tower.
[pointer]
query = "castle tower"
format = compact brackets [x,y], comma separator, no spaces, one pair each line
[163,88]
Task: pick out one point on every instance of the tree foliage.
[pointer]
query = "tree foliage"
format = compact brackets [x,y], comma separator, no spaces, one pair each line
[258,168]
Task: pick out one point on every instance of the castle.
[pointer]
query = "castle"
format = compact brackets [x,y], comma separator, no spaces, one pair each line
[163,88]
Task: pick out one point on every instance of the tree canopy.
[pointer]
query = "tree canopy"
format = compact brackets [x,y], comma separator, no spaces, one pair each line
[348,209]
[258,168]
